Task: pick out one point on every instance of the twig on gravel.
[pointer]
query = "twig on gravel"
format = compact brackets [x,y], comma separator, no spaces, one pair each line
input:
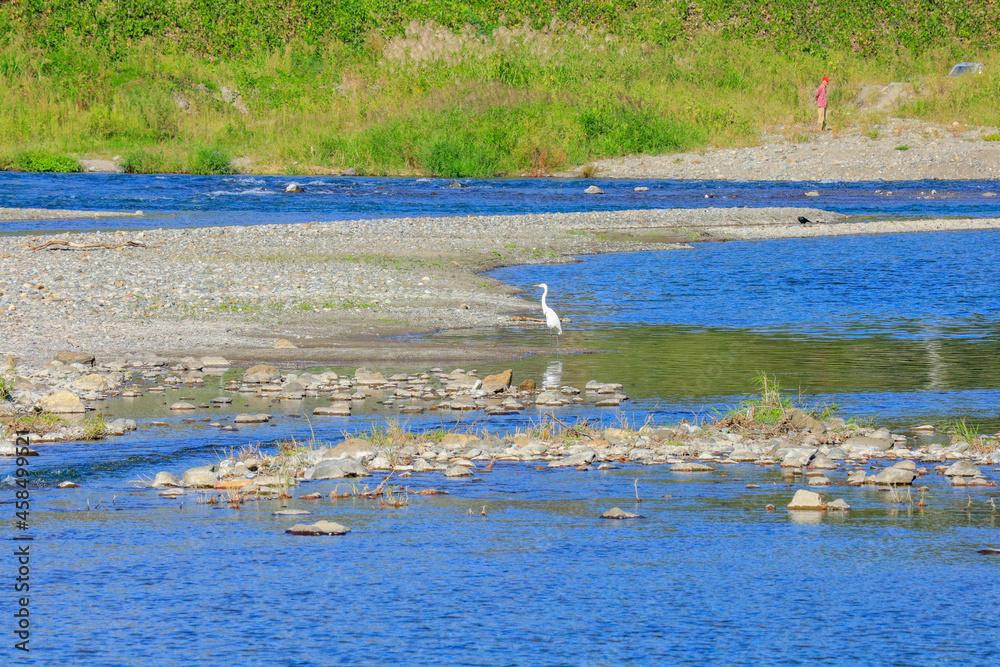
[69,245]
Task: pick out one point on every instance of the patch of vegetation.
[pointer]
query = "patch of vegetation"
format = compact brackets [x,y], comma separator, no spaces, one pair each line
[992,137]
[39,160]
[902,147]
[94,428]
[41,423]
[767,409]
[6,388]
[210,162]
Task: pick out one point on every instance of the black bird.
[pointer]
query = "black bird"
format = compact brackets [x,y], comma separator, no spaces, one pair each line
[804,220]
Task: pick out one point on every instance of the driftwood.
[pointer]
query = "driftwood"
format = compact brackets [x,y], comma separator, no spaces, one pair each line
[69,245]
[525,318]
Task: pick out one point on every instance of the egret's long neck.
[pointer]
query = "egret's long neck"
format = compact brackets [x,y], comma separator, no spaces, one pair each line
[545,290]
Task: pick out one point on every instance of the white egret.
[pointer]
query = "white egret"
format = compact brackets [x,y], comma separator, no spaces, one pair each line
[551,319]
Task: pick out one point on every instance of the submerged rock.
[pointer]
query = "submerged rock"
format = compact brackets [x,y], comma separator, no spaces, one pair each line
[318,528]
[618,513]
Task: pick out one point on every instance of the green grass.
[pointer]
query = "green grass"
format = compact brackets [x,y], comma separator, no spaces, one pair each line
[768,408]
[6,388]
[340,84]
[41,160]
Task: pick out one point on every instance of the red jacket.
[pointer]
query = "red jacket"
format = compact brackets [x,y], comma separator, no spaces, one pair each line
[821,96]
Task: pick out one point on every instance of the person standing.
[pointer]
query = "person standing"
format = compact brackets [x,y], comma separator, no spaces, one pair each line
[821,104]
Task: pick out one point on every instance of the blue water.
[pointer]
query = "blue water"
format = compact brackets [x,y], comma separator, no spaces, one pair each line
[900,328]
[183,201]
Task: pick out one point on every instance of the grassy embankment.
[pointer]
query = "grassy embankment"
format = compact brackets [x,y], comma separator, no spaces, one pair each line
[487,89]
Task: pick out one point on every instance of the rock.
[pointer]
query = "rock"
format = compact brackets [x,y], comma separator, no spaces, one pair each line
[291,512]
[181,405]
[618,513]
[456,470]
[864,442]
[822,462]
[364,377]
[856,478]
[962,469]
[62,402]
[120,427]
[164,480]
[594,190]
[743,455]
[839,504]
[199,478]
[293,187]
[894,477]
[318,528]
[262,373]
[527,385]
[246,418]
[342,409]
[801,420]
[812,193]
[285,344]
[574,460]
[354,448]
[93,382]
[337,469]
[807,500]
[350,171]
[75,358]
[214,362]
[67,485]
[691,466]
[457,185]
[494,384]
[379,463]
[641,188]
[454,442]
[819,481]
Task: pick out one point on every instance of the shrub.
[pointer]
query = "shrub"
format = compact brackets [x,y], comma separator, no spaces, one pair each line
[139,161]
[210,162]
[45,161]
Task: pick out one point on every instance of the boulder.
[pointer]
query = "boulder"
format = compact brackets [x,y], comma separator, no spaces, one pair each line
[199,478]
[574,460]
[318,528]
[246,418]
[120,427]
[285,344]
[594,190]
[76,358]
[93,382]
[839,504]
[962,469]
[293,187]
[364,377]
[894,477]
[337,469]
[62,402]
[801,420]
[342,409]
[743,455]
[822,462]
[864,442]
[354,448]
[181,405]
[691,466]
[164,480]
[214,362]
[262,373]
[494,384]
[618,513]
[457,470]
[807,500]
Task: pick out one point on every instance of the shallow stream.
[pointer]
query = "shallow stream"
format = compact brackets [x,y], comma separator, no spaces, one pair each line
[902,329]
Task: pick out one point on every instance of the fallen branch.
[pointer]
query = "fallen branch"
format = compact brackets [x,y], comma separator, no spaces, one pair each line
[525,318]
[70,245]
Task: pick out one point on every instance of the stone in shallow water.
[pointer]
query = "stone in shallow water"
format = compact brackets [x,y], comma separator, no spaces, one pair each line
[245,418]
[691,466]
[318,528]
[807,500]
[67,485]
[182,405]
[618,513]
[839,504]
[291,512]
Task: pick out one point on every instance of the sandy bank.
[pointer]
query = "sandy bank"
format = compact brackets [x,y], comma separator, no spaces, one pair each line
[9,214]
[337,290]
